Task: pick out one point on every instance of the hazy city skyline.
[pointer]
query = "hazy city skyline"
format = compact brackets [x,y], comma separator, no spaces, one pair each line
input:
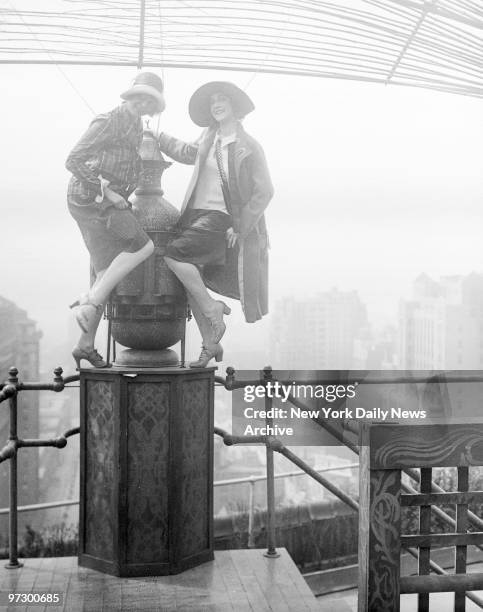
[331,329]
[439,326]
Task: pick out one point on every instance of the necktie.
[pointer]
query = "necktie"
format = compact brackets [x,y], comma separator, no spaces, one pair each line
[222,173]
[219,161]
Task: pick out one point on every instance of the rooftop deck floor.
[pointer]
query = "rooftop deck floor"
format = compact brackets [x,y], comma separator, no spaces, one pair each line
[346,601]
[241,580]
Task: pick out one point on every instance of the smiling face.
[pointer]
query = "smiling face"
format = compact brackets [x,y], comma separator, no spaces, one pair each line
[221,108]
[143,104]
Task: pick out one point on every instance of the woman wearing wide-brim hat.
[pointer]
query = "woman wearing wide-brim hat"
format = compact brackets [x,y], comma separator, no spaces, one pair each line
[223,241]
[105,165]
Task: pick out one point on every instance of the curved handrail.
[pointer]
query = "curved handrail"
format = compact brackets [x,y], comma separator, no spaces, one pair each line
[10,391]
[274,444]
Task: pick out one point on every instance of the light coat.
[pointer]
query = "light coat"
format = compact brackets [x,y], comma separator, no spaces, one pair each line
[245,274]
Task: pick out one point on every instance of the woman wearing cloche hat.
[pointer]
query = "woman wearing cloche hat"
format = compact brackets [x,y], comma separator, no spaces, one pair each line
[105,166]
[222,243]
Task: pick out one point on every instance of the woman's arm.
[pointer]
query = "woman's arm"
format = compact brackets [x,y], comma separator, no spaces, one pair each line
[97,134]
[262,192]
[183,152]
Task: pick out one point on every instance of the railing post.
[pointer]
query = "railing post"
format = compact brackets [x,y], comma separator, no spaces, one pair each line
[379,531]
[251,512]
[13,562]
[271,550]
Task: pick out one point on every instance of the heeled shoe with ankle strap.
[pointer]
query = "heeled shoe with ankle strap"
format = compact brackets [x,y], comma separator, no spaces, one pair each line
[206,355]
[91,356]
[216,320]
[82,317]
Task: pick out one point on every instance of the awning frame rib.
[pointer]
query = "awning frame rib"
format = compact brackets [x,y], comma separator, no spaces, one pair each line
[403,42]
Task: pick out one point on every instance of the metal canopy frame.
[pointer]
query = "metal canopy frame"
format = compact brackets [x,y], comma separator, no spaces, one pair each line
[435,44]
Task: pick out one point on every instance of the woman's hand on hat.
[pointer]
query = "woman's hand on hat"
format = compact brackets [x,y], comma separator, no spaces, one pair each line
[231,237]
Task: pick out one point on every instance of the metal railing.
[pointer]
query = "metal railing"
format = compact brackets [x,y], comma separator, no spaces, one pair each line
[386,450]
[44,506]
[9,392]
[272,445]
[349,435]
[250,480]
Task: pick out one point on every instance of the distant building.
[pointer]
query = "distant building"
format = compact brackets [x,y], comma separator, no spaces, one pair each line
[317,333]
[441,327]
[376,350]
[19,347]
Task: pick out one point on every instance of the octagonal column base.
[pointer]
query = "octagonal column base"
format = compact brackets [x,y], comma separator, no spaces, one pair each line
[146,503]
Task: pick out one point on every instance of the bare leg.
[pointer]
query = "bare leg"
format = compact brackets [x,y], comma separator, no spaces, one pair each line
[89,316]
[117,270]
[99,276]
[212,309]
[203,323]
[86,340]
[190,276]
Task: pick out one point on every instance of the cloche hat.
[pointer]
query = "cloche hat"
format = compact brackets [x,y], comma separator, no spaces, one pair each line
[199,105]
[147,83]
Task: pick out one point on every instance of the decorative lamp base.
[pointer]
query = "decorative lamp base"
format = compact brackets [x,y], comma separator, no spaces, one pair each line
[136,358]
[146,503]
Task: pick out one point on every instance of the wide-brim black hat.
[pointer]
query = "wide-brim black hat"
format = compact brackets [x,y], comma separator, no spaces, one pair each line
[150,84]
[199,106]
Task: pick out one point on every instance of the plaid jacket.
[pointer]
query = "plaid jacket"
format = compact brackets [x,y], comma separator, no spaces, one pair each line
[109,148]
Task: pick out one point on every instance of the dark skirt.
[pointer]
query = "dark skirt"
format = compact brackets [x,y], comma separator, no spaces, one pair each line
[201,239]
[107,232]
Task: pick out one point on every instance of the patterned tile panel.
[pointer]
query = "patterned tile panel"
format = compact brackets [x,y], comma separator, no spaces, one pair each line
[147,472]
[99,469]
[195,466]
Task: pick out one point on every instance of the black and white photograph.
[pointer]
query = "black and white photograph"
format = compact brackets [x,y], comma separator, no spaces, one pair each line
[241,305]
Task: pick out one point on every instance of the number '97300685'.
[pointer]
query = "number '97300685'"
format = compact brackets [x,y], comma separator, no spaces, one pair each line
[32,598]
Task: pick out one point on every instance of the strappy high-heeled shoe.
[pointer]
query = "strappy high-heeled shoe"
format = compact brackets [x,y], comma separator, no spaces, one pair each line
[91,356]
[206,355]
[81,316]
[216,320]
